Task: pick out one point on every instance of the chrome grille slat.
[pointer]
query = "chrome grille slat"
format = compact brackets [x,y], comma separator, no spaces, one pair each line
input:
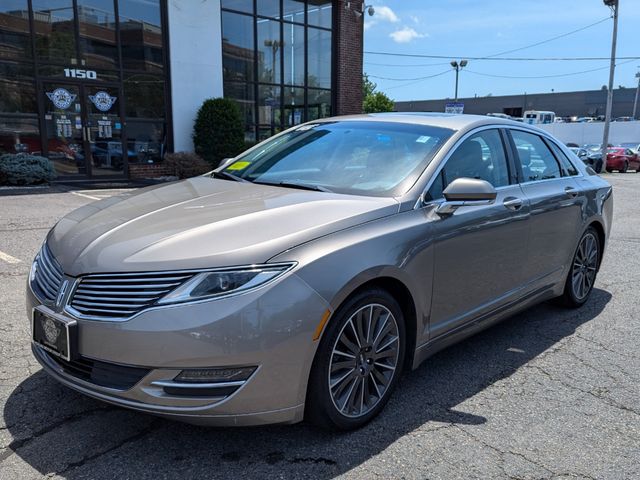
[100,293]
[93,298]
[48,276]
[136,287]
[113,296]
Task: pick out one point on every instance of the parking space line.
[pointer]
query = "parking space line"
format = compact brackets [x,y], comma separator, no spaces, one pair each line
[8,258]
[85,195]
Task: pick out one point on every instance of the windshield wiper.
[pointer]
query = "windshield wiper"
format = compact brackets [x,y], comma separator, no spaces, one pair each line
[301,186]
[227,176]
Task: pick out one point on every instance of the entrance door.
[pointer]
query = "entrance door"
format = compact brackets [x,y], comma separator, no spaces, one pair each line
[83,129]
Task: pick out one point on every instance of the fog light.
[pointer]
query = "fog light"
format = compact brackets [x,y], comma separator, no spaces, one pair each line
[212,375]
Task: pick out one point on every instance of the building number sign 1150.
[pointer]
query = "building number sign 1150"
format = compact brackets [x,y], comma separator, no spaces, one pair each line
[80,73]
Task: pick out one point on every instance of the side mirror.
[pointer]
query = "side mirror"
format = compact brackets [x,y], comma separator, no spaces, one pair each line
[464,192]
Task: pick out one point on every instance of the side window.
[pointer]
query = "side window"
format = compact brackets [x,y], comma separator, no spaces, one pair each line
[435,191]
[538,163]
[479,156]
[568,169]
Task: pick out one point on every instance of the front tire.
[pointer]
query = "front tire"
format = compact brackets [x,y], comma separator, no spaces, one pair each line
[583,270]
[625,167]
[358,363]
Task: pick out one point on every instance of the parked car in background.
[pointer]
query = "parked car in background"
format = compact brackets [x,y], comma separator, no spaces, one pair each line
[623,119]
[499,115]
[594,156]
[622,159]
[582,154]
[635,146]
[585,120]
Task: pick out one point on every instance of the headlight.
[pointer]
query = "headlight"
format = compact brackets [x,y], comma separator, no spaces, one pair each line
[217,283]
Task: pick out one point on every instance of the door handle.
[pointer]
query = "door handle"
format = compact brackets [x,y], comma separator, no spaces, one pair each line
[512,203]
[571,192]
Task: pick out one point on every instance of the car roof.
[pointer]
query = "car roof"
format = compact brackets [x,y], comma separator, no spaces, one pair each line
[453,121]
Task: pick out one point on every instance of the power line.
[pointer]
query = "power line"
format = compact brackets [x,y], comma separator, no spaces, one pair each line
[418,81]
[407,65]
[544,76]
[551,39]
[510,59]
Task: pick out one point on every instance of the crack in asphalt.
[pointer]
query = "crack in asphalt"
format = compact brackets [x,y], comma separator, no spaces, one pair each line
[18,444]
[153,426]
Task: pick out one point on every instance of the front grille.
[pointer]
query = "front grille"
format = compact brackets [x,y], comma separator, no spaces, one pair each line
[104,374]
[121,295]
[47,276]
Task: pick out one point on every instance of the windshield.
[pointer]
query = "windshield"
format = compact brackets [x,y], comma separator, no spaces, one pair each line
[353,157]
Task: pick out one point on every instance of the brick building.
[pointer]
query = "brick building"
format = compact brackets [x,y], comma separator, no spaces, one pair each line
[105,89]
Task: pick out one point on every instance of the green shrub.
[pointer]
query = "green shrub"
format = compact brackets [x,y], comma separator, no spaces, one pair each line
[218,132]
[25,169]
[186,164]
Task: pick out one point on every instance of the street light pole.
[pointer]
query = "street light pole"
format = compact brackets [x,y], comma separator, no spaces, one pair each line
[635,102]
[614,4]
[457,66]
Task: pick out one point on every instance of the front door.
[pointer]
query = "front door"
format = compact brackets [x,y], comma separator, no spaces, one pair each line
[83,129]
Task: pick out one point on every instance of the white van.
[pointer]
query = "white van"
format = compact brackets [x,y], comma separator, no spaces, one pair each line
[534,117]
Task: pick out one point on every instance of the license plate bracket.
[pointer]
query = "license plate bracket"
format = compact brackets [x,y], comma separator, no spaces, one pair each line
[55,333]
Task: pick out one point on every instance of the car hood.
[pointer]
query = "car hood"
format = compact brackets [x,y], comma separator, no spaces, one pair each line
[202,223]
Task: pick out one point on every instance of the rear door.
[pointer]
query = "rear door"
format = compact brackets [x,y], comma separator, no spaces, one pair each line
[555,206]
[479,251]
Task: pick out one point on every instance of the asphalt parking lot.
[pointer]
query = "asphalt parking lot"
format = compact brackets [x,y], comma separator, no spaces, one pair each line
[549,393]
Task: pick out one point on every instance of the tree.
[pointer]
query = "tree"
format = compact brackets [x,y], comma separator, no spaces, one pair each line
[374,101]
[218,132]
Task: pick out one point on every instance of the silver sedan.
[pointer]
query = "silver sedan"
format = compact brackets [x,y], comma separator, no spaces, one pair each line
[299,279]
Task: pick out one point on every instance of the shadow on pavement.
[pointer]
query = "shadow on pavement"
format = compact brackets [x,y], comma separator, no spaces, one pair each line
[58,431]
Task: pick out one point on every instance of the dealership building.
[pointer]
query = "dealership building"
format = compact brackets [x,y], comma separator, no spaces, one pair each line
[104,88]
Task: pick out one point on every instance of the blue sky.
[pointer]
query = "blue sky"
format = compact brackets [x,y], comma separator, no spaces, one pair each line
[479,28]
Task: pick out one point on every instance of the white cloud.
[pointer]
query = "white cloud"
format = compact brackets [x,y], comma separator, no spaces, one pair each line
[406,35]
[386,14]
[414,19]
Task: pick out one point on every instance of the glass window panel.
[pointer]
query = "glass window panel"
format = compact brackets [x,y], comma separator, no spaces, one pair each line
[243,94]
[319,104]
[17,90]
[293,54]
[538,163]
[293,106]
[58,71]
[319,13]
[269,106]
[237,47]
[19,134]
[480,156]
[141,34]
[241,5]
[293,11]
[54,29]
[14,29]
[146,141]
[144,95]
[97,23]
[269,51]
[269,8]
[319,61]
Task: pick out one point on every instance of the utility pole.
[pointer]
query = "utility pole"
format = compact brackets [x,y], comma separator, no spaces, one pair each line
[614,5]
[635,102]
[457,66]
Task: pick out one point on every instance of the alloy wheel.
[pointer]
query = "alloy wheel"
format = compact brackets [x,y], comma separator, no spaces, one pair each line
[585,265]
[364,360]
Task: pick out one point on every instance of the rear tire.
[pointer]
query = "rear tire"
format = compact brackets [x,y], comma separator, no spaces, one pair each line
[625,167]
[358,362]
[582,271]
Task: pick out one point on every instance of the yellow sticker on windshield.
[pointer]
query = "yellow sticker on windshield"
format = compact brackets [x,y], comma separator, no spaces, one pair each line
[238,166]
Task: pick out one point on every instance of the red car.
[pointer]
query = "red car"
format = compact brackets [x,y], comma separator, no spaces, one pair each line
[621,159]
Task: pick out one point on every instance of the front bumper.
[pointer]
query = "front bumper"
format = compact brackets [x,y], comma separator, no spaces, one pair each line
[270,328]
